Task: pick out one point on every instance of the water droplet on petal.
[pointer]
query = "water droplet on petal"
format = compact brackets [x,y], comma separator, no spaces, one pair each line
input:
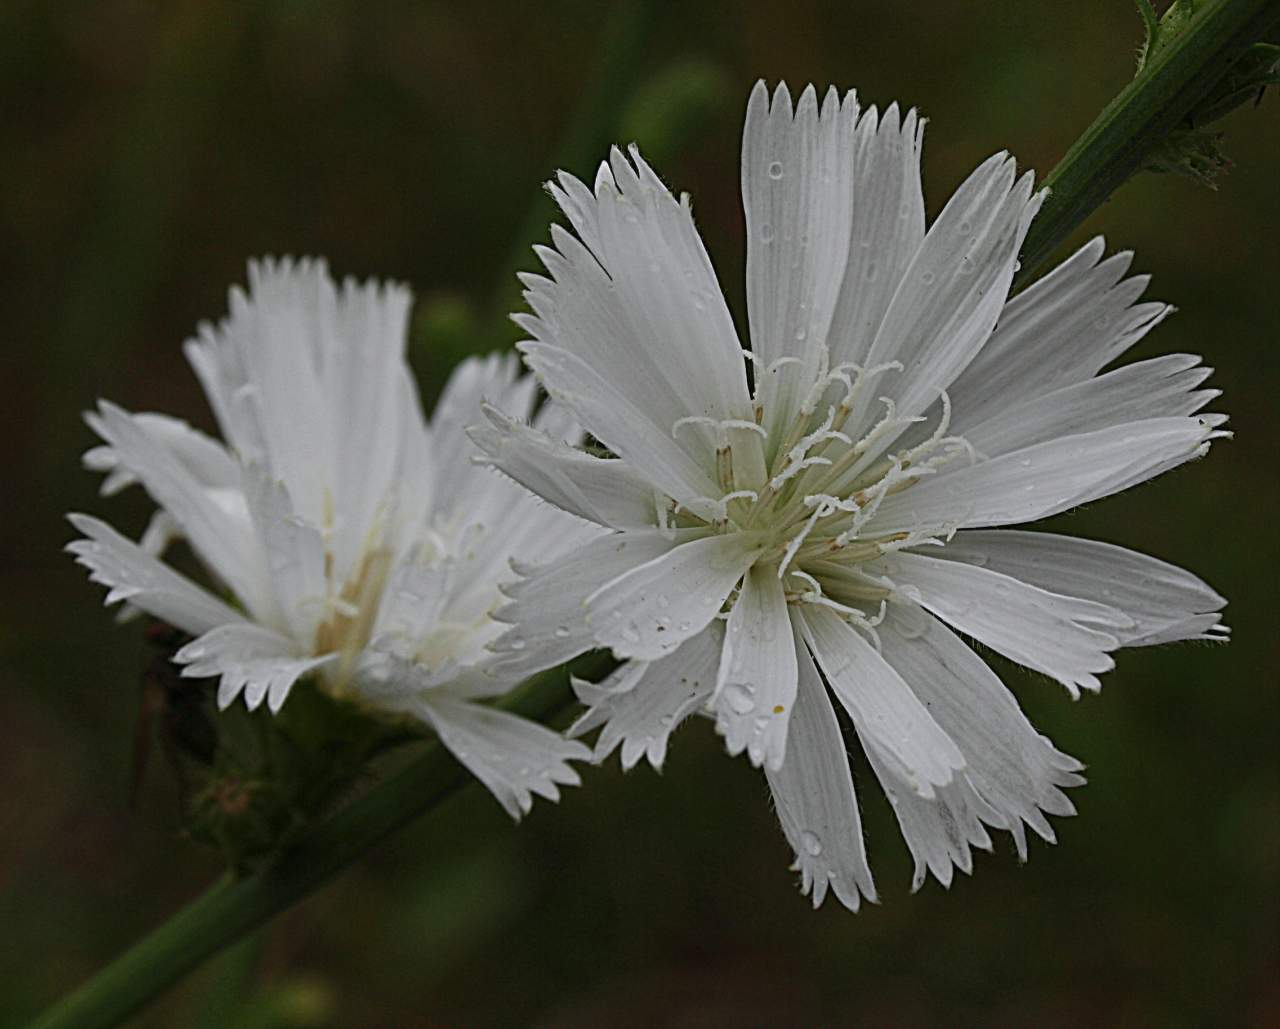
[738,696]
[775,170]
[516,643]
[927,278]
[766,233]
[562,632]
[811,844]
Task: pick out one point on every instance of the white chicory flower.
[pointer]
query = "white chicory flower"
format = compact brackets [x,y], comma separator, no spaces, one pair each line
[354,542]
[820,517]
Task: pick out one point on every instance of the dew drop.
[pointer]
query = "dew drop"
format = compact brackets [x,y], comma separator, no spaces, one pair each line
[775,170]
[738,696]
[766,233]
[927,278]
[912,630]
[872,272]
[516,643]
[966,227]
[562,632]
[811,844]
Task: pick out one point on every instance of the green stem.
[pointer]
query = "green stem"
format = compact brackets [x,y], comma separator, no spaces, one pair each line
[234,907]
[1177,76]
[232,983]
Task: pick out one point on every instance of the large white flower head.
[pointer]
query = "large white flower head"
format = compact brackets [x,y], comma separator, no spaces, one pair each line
[355,541]
[815,518]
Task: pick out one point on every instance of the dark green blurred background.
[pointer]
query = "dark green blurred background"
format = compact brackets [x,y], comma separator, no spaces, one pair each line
[147,150]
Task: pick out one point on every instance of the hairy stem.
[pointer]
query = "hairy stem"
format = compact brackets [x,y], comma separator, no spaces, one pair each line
[1175,77]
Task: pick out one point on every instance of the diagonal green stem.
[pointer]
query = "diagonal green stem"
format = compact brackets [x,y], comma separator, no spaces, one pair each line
[234,907]
[1175,78]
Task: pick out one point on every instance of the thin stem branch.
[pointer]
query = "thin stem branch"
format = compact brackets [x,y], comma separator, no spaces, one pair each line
[1177,75]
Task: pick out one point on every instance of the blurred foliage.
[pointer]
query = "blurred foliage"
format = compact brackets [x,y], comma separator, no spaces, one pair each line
[149,150]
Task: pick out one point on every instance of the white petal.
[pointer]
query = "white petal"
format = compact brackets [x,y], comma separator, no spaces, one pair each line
[363,375]
[225,543]
[548,614]
[294,552]
[797,191]
[603,491]
[887,713]
[1012,769]
[262,370]
[813,794]
[1164,602]
[160,532]
[756,686]
[417,590]
[667,289]
[459,483]
[204,457]
[887,227]
[941,831]
[1059,331]
[645,701]
[952,292]
[637,303]
[515,528]
[649,611]
[479,516]
[135,575]
[250,659]
[514,757]
[625,421]
[1162,387]
[1047,478]
[1064,637]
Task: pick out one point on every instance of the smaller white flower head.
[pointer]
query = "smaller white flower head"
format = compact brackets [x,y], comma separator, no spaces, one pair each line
[352,540]
[812,516]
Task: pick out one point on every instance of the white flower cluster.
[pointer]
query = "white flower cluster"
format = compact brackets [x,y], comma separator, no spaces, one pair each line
[821,516]
[815,517]
[353,540]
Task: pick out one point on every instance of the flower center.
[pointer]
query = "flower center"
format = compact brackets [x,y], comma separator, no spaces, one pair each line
[824,486]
